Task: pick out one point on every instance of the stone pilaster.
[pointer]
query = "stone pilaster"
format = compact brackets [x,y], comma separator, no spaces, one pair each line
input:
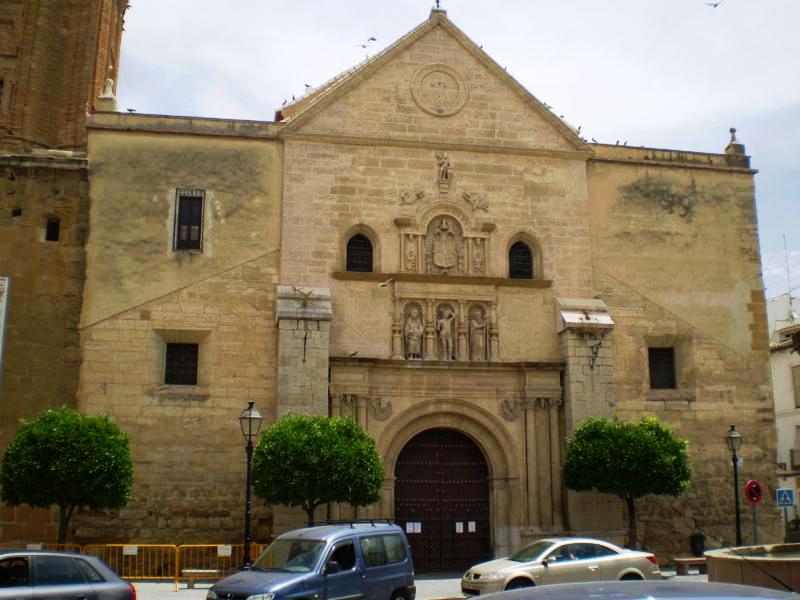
[303,316]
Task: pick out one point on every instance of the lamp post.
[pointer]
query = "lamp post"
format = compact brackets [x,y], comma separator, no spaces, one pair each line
[734,441]
[250,422]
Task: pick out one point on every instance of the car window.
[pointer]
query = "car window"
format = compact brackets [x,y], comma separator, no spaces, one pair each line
[395,548]
[530,552]
[13,572]
[345,555]
[57,570]
[290,555]
[596,550]
[381,550]
[89,572]
[563,553]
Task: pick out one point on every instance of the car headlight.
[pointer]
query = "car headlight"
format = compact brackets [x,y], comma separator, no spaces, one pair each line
[269,596]
[491,576]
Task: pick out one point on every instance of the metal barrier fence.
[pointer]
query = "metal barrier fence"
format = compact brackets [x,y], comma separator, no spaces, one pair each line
[144,561]
[163,562]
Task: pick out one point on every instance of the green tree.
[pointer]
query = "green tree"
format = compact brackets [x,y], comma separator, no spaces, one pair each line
[308,461]
[629,460]
[68,459]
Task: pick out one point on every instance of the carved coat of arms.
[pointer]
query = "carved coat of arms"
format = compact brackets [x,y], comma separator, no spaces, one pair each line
[445,253]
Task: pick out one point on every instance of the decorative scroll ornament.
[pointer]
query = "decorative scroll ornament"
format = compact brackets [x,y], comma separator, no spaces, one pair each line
[411,196]
[476,201]
[380,409]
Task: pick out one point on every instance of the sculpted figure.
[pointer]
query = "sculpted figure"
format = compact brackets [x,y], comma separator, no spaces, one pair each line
[477,336]
[444,327]
[445,168]
[411,254]
[413,333]
[108,89]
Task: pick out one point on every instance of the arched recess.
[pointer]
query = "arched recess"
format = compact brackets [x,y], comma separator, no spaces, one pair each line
[368,233]
[536,250]
[501,451]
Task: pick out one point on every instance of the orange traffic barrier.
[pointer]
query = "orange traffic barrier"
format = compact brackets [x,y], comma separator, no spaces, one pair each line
[139,561]
[212,561]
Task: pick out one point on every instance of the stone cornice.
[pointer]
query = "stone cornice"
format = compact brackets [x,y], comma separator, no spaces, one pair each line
[449,279]
[581,155]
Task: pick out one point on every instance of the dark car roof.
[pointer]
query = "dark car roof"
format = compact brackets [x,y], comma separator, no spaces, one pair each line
[642,590]
[329,533]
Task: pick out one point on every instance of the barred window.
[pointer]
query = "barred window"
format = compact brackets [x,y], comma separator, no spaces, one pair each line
[520,261]
[189,219]
[662,368]
[180,364]
[359,254]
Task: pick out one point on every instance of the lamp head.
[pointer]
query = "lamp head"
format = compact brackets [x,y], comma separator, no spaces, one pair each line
[250,421]
[733,439]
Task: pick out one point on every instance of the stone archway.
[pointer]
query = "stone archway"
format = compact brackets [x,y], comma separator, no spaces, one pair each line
[442,499]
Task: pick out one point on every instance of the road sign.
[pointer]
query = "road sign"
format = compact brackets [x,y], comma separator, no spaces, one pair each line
[753,492]
[785,497]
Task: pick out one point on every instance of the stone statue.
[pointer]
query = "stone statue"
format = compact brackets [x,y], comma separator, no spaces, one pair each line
[108,89]
[413,334]
[445,168]
[444,327]
[411,254]
[477,335]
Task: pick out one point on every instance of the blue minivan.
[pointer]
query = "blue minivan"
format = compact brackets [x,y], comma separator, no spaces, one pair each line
[367,560]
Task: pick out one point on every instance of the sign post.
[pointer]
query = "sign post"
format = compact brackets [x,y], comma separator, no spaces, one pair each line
[785,499]
[754,494]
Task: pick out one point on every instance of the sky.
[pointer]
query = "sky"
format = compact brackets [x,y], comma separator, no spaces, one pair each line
[659,73]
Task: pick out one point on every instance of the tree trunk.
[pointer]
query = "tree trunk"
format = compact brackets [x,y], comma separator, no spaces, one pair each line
[64,516]
[631,502]
[310,507]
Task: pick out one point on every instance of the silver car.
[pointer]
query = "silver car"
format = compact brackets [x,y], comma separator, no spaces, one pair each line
[560,560]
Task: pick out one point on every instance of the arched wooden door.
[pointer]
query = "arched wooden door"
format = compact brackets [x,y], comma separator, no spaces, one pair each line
[442,500]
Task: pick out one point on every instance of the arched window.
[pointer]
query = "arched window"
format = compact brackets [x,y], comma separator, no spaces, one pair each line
[520,261]
[359,254]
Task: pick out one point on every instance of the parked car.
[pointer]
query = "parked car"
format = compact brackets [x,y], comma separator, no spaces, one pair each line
[644,590]
[370,560]
[560,560]
[38,575]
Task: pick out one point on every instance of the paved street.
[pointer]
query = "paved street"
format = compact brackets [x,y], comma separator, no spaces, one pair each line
[429,587]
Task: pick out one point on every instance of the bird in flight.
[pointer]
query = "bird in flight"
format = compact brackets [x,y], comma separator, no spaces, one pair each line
[714,4]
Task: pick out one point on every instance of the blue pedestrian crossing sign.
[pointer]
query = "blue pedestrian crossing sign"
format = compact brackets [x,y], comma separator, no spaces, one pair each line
[785,497]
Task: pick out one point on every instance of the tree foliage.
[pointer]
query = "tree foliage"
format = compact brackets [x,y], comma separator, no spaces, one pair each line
[68,459]
[308,461]
[629,460]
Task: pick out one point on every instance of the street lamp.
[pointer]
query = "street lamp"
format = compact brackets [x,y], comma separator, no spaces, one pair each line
[250,422]
[734,441]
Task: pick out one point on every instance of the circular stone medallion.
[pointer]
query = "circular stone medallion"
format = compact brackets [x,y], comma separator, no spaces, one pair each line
[439,90]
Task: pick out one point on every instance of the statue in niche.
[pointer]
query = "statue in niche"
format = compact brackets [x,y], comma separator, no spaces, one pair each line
[477,255]
[445,168]
[411,254]
[108,89]
[477,334]
[444,328]
[413,333]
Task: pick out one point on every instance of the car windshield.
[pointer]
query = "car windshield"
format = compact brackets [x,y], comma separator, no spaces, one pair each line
[531,552]
[297,556]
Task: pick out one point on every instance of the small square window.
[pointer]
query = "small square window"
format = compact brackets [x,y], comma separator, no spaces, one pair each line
[52,230]
[189,219]
[662,368]
[180,364]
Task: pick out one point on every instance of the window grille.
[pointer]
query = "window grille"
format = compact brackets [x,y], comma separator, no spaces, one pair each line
[189,219]
[359,254]
[180,364]
[520,261]
[662,368]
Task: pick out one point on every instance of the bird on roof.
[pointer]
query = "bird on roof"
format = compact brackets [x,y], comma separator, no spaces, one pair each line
[595,141]
[308,86]
[284,102]
[372,39]
[131,110]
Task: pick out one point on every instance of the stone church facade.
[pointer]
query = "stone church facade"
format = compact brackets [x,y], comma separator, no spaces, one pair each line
[421,245]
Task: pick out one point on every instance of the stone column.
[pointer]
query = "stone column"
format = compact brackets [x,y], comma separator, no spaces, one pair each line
[532,469]
[430,329]
[545,471]
[556,463]
[462,352]
[397,329]
[303,316]
[494,345]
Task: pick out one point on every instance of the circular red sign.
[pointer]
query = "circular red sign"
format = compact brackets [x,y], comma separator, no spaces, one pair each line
[753,492]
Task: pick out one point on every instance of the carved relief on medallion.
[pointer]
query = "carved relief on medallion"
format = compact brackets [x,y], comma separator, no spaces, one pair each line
[444,247]
[478,332]
[439,90]
[446,332]
[380,409]
[413,331]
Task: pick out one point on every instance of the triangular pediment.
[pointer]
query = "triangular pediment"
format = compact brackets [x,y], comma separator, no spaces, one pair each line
[433,85]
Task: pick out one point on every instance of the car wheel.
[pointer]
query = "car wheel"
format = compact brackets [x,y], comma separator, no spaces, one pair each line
[631,577]
[398,596]
[518,584]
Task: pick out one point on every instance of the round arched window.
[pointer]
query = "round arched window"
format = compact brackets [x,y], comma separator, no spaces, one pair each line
[520,261]
[359,254]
